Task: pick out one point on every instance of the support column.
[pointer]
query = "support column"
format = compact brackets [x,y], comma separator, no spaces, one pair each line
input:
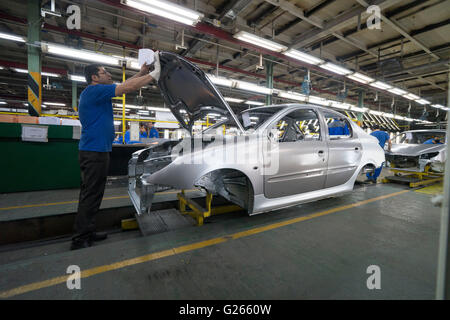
[359,115]
[74,96]
[269,80]
[34,57]
[443,271]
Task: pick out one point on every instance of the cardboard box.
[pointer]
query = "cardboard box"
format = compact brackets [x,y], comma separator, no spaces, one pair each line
[8,118]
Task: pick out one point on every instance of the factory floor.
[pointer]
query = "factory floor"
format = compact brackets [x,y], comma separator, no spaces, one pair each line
[318,250]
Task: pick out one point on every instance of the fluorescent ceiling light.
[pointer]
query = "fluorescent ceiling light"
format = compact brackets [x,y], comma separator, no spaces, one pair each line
[12,37]
[423,101]
[167,10]
[254,103]
[259,41]
[397,91]
[3,102]
[411,96]
[358,109]
[318,100]
[340,105]
[79,54]
[248,86]
[43,106]
[334,68]
[360,78]
[45,74]
[234,100]
[77,78]
[438,106]
[220,81]
[381,85]
[292,95]
[55,104]
[377,113]
[302,56]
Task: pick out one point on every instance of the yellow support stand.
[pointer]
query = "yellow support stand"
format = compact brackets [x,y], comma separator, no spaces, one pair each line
[417,179]
[199,213]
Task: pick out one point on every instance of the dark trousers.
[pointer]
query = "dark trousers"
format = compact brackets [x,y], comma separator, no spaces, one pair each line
[94,170]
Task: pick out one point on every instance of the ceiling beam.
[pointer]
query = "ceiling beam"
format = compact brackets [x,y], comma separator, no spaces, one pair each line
[400,29]
[341,21]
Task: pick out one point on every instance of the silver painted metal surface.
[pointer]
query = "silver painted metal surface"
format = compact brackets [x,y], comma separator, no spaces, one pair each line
[281,155]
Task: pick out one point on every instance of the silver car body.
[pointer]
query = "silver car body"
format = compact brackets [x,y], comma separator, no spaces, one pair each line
[415,155]
[306,171]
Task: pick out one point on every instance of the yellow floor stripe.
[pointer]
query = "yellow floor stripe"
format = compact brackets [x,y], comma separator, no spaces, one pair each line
[433,189]
[76,201]
[185,248]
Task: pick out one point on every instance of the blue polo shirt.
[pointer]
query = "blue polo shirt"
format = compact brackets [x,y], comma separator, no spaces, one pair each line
[153,133]
[96,117]
[382,137]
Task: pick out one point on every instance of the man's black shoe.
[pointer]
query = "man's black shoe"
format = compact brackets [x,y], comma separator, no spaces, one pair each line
[80,244]
[98,236]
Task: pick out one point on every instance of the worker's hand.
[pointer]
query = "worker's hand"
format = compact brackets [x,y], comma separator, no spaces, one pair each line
[144,69]
[155,74]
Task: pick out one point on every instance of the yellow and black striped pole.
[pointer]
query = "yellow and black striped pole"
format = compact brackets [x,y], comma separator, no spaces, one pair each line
[34,93]
[34,83]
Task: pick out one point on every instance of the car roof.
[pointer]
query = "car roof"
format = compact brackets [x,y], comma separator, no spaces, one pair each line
[289,105]
[427,130]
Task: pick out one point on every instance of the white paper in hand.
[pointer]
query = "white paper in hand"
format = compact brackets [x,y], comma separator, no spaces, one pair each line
[146,56]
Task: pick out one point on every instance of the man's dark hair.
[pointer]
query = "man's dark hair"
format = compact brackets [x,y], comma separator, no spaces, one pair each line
[375,127]
[91,70]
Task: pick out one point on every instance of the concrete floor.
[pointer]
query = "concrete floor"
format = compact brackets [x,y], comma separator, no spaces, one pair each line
[292,253]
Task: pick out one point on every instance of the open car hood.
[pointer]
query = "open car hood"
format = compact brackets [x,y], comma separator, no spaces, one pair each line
[186,87]
[415,149]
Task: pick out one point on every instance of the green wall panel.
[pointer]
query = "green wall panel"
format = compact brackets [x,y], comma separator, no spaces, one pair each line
[30,166]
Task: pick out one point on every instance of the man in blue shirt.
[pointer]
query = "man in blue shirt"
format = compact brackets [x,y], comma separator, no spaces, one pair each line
[97,134]
[338,128]
[435,140]
[382,137]
[153,133]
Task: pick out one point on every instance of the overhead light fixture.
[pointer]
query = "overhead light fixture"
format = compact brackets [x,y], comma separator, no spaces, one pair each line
[381,85]
[377,113]
[318,100]
[167,10]
[360,78]
[302,56]
[77,78]
[411,96]
[229,99]
[397,91]
[423,101]
[220,81]
[259,41]
[3,102]
[55,104]
[79,54]
[334,68]
[292,95]
[358,109]
[340,105]
[254,103]
[248,86]
[45,74]
[439,106]
[12,37]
